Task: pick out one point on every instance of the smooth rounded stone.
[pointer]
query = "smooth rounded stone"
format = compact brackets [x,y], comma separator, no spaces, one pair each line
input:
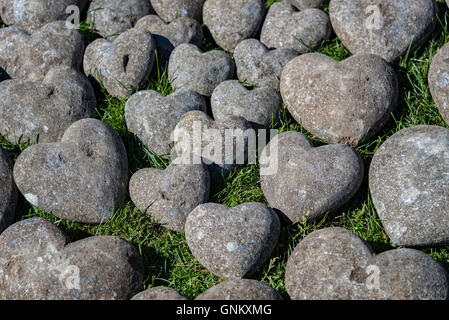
[8,191]
[336,264]
[240,289]
[82,178]
[190,68]
[286,27]
[340,102]
[44,110]
[439,81]
[230,22]
[307,182]
[169,10]
[304,4]
[232,242]
[408,180]
[159,293]
[38,262]
[32,56]
[383,27]
[122,65]
[259,66]
[169,195]
[259,106]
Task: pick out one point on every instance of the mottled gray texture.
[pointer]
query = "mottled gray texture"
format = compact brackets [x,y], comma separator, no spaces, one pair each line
[304,4]
[340,102]
[83,178]
[259,106]
[336,264]
[309,181]
[153,117]
[121,65]
[240,289]
[38,262]
[8,191]
[169,195]
[232,242]
[159,293]
[383,27]
[259,66]
[190,68]
[286,27]
[230,22]
[44,110]
[169,10]
[409,183]
[439,81]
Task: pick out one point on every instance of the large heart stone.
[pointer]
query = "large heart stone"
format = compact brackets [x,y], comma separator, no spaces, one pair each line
[169,10]
[439,81]
[8,191]
[240,289]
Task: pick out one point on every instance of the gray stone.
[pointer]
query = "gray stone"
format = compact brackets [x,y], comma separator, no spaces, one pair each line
[169,10]
[304,4]
[230,22]
[336,264]
[38,262]
[259,106]
[340,102]
[307,182]
[159,293]
[383,27]
[190,68]
[232,242]
[44,110]
[122,65]
[240,289]
[8,191]
[286,27]
[409,180]
[83,178]
[169,195]
[439,81]
[259,66]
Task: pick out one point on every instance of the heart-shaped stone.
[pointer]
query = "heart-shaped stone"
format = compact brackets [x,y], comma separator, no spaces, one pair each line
[230,22]
[8,191]
[159,293]
[190,68]
[240,289]
[383,27]
[259,66]
[122,65]
[82,178]
[340,102]
[305,181]
[304,4]
[170,10]
[409,179]
[38,262]
[336,264]
[153,117]
[232,242]
[286,27]
[44,110]
[259,106]
[169,195]
[439,81]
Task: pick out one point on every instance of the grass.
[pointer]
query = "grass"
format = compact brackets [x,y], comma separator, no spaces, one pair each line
[166,256]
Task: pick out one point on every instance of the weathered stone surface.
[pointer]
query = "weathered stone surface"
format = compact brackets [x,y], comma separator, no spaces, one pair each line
[408,181]
[170,195]
[121,65]
[306,181]
[44,110]
[232,242]
[159,293]
[240,289]
[383,27]
[8,191]
[169,10]
[340,102]
[286,27]
[336,264]
[82,178]
[304,4]
[38,262]
[230,22]
[190,68]
[439,81]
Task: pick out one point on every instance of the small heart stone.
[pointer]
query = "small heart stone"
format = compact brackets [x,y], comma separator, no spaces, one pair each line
[409,179]
[286,27]
[230,22]
[259,106]
[232,242]
[122,65]
[340,102]
[439,81]
[82,178]
[336,264]
[307,181]
[240,289]
[169,195]
[38,262]
[170,10]
[159,293]
[190,68]
[8,191]
[304,4]
[383,27]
